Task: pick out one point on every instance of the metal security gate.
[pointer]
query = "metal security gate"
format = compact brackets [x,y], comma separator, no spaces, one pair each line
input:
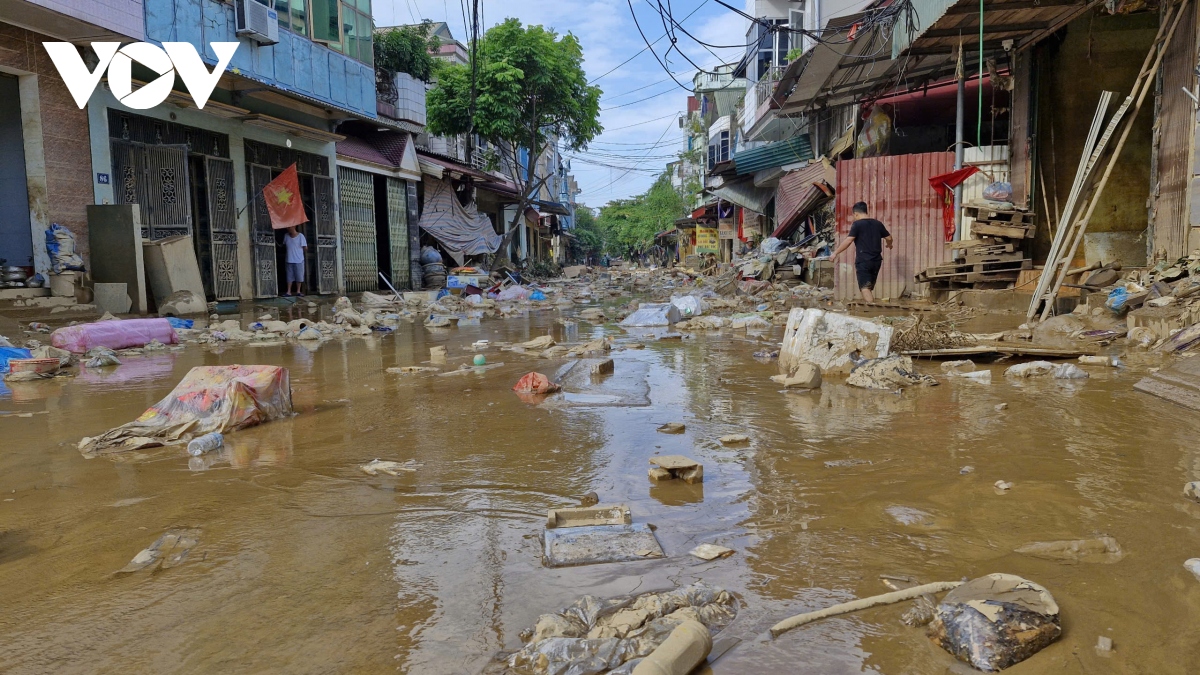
[155,177]
[397,213]
[266,277]
[222,222]
[414,237]
[356,202]
[326,227]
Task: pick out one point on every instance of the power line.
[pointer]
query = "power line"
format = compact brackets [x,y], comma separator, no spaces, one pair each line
[643,49]
[638,124]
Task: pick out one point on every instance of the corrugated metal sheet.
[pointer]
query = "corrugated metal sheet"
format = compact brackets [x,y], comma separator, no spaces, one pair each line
[796,196]
[1176,128]
[796,149]
[897,191]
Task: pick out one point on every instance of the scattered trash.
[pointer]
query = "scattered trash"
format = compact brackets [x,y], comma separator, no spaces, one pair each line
[617,635]
[887,373]
[1192,490]
[479,360]
[981,376]
[178,323]
[803,376]
[1030,369]
[1098,360]
[60,244]
[378,466]
[996,621]
[863,603]
[1001,407]
[688,305]
[1002,486]
[114,334]
[409,370]
[1104,645]
[535,383]
[101,357]
[672,428]
[8,354]
[963,366]
[206,443]
[685,649]
[711,552]
[649,315]
[670,467]
[734,439]
[585,516]
[167,551]
[1098,550]
[207,399]
[966,470]
[1070,371]
[1193,565]
[565,547]
[538,343]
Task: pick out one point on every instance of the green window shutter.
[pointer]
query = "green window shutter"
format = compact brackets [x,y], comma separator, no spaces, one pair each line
[326,21]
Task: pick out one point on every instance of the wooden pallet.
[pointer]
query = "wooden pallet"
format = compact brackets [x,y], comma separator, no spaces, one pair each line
[990,214]
[962,270]
[1002,229]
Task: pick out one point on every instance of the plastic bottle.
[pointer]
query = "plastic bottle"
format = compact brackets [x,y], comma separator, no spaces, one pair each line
[205,443]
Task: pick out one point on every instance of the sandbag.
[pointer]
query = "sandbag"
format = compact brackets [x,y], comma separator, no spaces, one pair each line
[207,399]
[114,334]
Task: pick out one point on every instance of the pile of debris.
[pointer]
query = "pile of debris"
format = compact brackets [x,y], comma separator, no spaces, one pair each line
[993,258]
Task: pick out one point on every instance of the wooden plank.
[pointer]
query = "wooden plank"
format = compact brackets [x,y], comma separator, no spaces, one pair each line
[990,228]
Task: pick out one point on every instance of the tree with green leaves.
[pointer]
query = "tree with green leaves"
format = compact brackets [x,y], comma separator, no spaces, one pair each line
[529,91]
[405,49]
[589,238]
[630,224]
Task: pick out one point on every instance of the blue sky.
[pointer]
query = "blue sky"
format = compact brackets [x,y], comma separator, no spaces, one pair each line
[641,104]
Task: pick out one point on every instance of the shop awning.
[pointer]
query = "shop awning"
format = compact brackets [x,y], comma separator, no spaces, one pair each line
[437,166]
[836,69]
[556,208]
[792,151]
[745,195]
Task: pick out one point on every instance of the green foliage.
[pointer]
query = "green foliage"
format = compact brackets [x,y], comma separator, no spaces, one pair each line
[531,85]
[405,49]
[794,54]
[630,224]
[589,238]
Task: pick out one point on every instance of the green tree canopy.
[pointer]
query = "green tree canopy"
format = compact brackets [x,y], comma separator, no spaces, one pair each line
[630,224]
[405,49]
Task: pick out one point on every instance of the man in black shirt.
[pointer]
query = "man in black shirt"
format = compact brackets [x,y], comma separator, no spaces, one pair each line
[867,235]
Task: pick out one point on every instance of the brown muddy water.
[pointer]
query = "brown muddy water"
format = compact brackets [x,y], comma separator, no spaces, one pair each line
[306,565]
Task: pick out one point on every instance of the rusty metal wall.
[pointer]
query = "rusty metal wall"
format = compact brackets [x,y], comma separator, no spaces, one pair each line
[896,189]
[1176,127]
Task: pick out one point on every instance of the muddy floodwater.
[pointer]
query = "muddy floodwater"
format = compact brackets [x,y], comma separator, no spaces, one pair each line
[304,564]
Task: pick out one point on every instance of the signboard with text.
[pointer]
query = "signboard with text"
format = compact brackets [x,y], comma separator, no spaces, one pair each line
[707,241]
[727,228]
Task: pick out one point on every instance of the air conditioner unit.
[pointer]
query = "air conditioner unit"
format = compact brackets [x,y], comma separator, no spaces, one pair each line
[257,21]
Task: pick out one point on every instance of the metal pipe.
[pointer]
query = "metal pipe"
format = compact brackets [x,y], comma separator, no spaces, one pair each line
[959,122]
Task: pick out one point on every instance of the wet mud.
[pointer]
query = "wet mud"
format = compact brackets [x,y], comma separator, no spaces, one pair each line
[297,561]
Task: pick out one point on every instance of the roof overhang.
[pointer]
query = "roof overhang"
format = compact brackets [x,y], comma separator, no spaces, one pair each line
[852,64]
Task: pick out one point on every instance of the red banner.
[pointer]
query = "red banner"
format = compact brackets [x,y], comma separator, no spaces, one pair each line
[283,200]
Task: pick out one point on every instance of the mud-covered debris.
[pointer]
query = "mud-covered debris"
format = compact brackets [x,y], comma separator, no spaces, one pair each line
[604,367]
[803,376]
[887,373]
[963,366]
[410,370]
[966,470]
[734,439]
[1000,407]
[539,343]
[1192,490]
[584,516]
[829,340]
[167,551]
[921,613]
[1070,371]
[1002,486]
[907,515]
[1193,565]
[672,467]
[711,552]
[378,466]
[1097,550]
[980,376]
[996,621]
[590,499]
[672,428]
[1030,369]
[1104,645]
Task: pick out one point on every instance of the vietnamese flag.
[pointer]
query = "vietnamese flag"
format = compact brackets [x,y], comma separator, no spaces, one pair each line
[283,200]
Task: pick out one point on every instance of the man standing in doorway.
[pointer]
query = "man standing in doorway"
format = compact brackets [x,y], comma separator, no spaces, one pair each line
[867,235]
[296,249]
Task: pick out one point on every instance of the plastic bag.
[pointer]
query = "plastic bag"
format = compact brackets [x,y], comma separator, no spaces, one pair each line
[180,323]
[688,305]
[876,134]
[103,360]
[60,244]
[535,383]
[1116,299]
[207,399]
[998,192]
[514,292]
[114,334]
[537,295]
[9,353]
[771,245]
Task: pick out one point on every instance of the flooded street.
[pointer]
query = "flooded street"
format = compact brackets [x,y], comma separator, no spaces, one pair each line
[304,564]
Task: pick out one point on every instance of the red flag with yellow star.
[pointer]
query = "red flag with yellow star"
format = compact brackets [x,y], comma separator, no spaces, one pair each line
[283,200]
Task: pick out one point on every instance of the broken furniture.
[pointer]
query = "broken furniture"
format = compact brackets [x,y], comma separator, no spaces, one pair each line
[993,259]
[676,467]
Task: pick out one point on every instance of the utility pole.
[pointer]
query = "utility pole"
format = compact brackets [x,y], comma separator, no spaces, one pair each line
[474,56]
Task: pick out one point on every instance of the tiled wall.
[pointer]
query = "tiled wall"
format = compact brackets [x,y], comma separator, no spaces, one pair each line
[64,129]
[296,64]
[120,16]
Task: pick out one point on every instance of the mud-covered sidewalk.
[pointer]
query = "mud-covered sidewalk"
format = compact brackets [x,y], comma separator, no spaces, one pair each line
[278,553]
